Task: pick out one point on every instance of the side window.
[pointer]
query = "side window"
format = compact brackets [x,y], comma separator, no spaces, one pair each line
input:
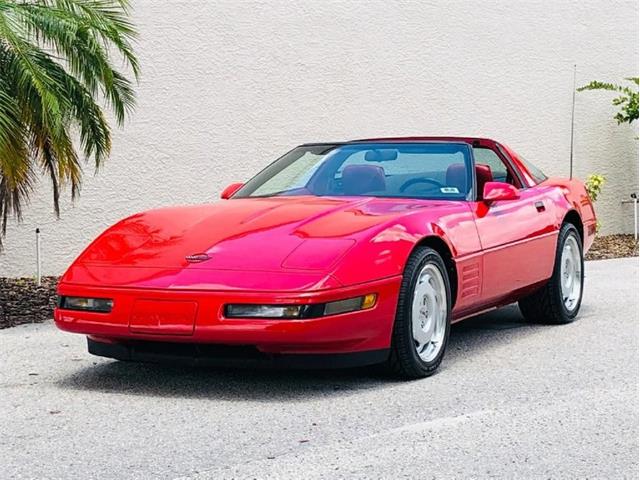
[499,171]
[535,172]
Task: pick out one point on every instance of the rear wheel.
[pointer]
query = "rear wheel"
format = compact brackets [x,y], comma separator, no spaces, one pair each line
[421,328]
[558,301]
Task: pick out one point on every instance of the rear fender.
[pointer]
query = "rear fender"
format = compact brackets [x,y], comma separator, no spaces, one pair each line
[572,196]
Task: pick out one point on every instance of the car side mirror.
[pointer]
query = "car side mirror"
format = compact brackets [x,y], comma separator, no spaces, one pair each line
[494,191]
[230,190]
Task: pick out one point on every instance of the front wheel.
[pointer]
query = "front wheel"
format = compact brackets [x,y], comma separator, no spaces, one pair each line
[558,301]
[421,328]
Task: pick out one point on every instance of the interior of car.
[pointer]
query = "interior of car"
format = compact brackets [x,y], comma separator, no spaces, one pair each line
[414,171]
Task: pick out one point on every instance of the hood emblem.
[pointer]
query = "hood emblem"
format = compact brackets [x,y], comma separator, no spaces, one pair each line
[197,257]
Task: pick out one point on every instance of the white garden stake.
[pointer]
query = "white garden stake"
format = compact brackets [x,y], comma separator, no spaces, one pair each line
[635,216]
[38,262]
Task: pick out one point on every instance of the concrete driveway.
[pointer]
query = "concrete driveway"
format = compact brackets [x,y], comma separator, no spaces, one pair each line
[511,400]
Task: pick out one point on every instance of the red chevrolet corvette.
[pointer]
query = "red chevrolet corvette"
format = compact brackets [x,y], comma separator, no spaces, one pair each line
[337,254]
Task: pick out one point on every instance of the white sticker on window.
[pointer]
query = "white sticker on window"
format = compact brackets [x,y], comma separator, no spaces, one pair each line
[449,190]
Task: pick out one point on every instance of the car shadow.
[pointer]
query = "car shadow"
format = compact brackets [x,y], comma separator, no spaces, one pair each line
[473,335]
[486,331]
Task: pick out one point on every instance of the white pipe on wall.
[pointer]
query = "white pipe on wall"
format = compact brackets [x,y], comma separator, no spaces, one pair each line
[634,200]
[38,259]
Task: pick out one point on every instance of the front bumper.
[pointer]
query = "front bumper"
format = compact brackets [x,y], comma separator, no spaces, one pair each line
[361,331]
[207,355]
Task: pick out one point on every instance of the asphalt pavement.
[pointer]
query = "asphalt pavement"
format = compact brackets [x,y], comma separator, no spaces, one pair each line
[511,400]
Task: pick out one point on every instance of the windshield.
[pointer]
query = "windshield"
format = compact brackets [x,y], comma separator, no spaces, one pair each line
[415,170]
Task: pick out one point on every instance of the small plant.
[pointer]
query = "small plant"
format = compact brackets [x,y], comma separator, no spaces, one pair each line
[594,184]
[627,101]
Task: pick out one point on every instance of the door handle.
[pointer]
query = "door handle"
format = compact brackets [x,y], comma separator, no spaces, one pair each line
[540,206]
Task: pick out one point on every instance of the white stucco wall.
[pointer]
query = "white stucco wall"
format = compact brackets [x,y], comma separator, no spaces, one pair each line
[229,85]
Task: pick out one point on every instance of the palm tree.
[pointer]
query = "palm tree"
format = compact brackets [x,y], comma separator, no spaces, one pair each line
[56,68]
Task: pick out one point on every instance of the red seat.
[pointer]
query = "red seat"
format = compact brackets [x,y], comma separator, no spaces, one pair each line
[359,179]
[457,176]
[483,175]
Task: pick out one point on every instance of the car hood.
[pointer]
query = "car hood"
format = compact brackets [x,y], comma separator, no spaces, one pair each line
[305,235]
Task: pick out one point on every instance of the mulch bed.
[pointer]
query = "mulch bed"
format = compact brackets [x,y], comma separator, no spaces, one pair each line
[22,301]
[613,246]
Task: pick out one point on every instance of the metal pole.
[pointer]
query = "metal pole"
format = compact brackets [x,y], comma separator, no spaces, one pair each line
[38,261]
[573,111]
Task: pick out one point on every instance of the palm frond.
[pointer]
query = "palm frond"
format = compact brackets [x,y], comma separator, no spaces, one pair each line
[56,65]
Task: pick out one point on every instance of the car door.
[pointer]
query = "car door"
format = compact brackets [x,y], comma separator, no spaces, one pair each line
[518,236]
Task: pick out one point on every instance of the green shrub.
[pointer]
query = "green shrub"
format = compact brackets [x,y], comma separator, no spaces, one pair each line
[627,101]
[594,184]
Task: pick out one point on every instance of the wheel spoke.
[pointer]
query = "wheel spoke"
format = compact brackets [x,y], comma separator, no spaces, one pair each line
[429,312]
[419,335]
[571,273]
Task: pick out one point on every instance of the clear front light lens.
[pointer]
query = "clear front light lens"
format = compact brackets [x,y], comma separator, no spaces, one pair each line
[263,311]
[342,306]
[103,305]
[301,311]
[350,304]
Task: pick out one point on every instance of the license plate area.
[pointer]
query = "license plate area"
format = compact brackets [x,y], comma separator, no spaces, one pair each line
[163,317]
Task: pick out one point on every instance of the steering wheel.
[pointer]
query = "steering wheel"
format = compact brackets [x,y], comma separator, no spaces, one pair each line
[415,181]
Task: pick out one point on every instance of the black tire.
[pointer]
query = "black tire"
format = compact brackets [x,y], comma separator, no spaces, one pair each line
[546,304]
[404,360]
